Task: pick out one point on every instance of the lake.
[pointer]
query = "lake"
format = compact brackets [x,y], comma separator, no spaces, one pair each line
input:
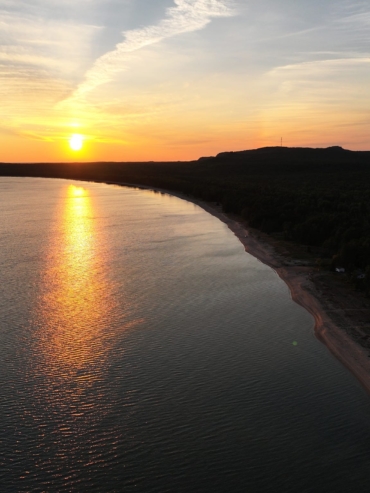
[142,350]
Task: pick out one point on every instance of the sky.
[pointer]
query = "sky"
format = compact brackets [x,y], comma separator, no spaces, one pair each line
[179,79]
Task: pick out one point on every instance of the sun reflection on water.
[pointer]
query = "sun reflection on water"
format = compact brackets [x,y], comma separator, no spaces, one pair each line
[76,302]
[76,337]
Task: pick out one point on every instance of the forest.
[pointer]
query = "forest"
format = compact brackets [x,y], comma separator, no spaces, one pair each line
[316,198]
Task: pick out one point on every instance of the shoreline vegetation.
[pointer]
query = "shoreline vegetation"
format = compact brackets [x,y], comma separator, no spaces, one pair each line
[300,280]
[337,179]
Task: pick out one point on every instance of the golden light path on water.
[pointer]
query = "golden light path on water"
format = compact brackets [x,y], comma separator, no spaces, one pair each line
[77,332]
[75,319]
[143,350]
[75,303]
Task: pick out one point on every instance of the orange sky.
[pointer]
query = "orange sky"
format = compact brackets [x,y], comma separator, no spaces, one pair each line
[181,79]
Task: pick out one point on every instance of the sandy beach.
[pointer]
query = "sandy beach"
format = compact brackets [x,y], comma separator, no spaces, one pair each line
[341,316]
[340,332]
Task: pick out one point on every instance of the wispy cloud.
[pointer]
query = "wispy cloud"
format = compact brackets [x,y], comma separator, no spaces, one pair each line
[310,70]
[45,43]
[40,60]
[185,16]
[339,83]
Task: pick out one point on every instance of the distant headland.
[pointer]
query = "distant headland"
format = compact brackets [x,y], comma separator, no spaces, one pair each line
[303,211]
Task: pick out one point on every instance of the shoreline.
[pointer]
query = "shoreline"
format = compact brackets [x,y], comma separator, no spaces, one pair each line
[302,289]
[340,333]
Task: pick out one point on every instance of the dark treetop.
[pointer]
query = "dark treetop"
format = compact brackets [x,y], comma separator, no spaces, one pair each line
[319,198]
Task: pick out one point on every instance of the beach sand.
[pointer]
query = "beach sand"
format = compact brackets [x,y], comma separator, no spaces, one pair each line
[342,317]
[341,331]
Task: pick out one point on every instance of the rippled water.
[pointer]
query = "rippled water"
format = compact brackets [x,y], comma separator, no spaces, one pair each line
[142,350]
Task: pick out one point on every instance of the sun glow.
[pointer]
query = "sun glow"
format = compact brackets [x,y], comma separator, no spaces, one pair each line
[76,191]
[76,142]
[76,298]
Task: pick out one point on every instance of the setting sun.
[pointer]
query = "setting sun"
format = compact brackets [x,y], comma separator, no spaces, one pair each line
[74,191]
[76,142]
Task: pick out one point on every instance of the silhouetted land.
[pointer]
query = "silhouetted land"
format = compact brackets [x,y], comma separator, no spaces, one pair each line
[314,199]
[311,205]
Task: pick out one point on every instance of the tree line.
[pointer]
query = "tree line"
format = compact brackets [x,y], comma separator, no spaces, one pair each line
[314,197]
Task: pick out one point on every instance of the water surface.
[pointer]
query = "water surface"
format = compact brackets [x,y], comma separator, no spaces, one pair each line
[142,350]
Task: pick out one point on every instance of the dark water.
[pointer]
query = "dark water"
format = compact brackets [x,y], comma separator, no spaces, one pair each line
[142,350]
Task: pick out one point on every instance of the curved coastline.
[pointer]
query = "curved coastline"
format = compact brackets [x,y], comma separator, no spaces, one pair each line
[302,289]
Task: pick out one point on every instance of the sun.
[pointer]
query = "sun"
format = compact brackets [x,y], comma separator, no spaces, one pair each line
[74,191]
[76,142]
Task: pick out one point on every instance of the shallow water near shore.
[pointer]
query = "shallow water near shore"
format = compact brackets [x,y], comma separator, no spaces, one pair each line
[142,350]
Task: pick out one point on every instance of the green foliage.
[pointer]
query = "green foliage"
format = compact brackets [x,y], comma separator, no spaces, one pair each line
[316,197]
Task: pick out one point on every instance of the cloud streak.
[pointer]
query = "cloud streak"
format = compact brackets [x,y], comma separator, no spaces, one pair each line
[185,16]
